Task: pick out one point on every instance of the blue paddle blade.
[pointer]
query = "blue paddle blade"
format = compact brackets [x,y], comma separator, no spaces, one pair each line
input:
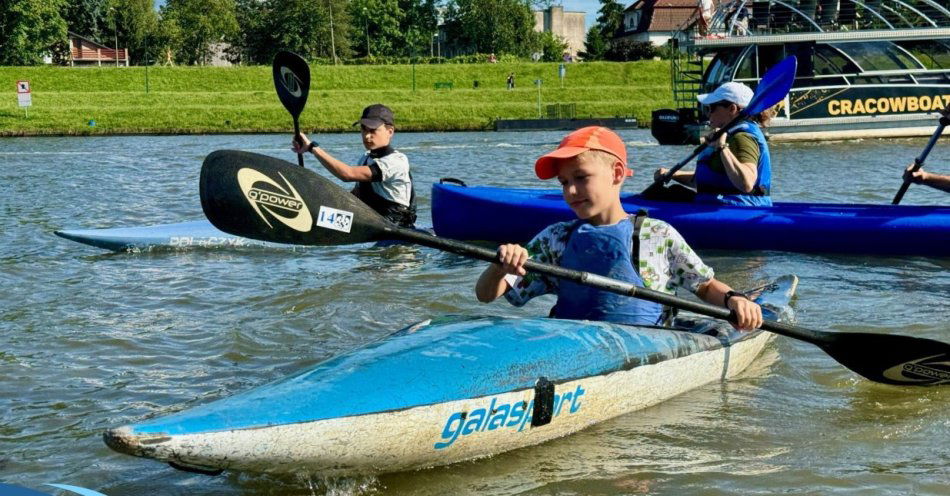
[774,86]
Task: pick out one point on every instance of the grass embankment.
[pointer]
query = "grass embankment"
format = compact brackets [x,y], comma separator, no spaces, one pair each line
[242,99]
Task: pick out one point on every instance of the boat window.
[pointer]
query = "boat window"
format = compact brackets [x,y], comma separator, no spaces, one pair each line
[747,70]
[829,61]
[933,54]
[878,56]
[720,70]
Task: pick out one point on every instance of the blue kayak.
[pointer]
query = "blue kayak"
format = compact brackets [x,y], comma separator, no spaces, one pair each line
[451,389]
[516,215]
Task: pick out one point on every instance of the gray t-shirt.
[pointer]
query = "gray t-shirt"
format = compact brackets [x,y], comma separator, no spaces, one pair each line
[394,183]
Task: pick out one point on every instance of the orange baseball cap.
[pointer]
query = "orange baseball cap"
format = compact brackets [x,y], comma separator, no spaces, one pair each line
[580,141]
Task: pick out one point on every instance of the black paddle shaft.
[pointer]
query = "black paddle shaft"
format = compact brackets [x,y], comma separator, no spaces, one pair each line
[884,358]
[604,283]
[261,197]
[919,161]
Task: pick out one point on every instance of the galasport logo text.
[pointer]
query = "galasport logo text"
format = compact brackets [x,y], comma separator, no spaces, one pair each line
[279,200]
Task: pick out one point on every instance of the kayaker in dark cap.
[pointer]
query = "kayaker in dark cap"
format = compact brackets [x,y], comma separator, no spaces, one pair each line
[382,174]
[591,165]
[736,169]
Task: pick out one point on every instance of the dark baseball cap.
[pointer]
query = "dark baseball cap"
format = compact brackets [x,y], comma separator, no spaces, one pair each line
[376,115]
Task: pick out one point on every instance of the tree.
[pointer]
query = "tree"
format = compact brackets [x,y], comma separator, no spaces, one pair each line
[552,47]
[627,50]
[129,23]
[301,26]
[491,26]
[610,19]
[203,24]
[419,24]
[595,46]
[377,23]
[29,30]
[86,17]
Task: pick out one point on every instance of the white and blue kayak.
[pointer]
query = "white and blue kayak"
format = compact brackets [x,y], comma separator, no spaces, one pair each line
[180,235]
[177,236]
[451,389]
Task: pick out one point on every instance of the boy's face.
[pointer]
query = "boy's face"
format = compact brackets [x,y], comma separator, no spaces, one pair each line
[590,184]
[376,138]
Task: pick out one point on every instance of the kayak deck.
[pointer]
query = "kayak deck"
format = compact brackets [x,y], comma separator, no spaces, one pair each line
[174,236]
[450,389]
[179,235]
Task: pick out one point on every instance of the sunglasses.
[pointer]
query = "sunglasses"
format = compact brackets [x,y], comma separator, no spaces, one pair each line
[713,106]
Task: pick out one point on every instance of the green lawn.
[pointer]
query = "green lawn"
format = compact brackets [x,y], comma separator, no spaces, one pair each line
[242,99]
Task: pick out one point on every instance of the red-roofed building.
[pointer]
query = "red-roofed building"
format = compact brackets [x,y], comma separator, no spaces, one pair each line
[658,20]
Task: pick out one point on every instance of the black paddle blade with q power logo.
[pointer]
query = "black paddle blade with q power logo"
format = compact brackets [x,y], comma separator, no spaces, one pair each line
[292,81]
[265,198]
[892,359]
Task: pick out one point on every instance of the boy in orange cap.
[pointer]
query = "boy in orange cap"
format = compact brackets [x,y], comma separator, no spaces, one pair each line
[591,165]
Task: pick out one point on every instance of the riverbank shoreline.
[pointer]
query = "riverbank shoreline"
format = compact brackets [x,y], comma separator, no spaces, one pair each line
[110,101]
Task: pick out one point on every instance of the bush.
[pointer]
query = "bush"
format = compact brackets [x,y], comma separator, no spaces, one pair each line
[629,50]
[474,58]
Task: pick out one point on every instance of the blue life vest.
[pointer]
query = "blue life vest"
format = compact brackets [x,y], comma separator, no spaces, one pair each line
[605,251]
[715,187]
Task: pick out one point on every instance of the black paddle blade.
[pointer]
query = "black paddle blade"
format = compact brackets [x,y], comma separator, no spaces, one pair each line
[292,81]
[261,197]
[892,359]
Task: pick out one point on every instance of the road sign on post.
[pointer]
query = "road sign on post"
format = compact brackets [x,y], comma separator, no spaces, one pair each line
[23,95]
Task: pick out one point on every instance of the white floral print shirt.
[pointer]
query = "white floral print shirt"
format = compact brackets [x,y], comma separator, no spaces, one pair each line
[666,261]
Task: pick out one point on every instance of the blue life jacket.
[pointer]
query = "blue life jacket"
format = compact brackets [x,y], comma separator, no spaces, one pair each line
[605,251]
[715,187]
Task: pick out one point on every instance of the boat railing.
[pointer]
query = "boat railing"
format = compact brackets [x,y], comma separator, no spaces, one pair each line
[762,17]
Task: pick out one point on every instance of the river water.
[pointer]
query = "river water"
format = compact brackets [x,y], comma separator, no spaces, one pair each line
[91,340]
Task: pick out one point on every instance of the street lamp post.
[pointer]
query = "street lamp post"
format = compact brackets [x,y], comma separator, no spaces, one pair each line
[366,19]
[146,64]
[115,31]
[412,56]
[332,38]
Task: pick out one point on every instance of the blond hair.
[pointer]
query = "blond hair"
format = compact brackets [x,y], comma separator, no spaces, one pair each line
[764,117]
[601,156]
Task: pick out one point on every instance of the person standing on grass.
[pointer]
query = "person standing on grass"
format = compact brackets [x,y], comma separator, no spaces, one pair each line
[382,176]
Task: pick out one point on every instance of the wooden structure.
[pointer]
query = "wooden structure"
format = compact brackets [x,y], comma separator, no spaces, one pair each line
[83,51]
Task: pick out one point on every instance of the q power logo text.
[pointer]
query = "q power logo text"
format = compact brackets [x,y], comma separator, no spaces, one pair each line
[281,203]
[933,370]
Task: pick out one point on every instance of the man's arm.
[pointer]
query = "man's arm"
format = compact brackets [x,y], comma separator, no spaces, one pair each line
[341,170]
